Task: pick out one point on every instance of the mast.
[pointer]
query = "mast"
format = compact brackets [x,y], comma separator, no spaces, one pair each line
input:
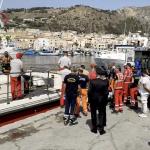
[1,3]
[125,28]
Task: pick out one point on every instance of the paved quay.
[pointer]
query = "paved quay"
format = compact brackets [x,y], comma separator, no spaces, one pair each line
[46,131]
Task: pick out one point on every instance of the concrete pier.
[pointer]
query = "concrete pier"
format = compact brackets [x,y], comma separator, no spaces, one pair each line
[125,131]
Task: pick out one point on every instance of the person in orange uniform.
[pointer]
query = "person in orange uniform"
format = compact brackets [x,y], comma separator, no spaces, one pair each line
[83,81]
[92,72]
[127,81]
[118,89]
[134,91]
[15,76]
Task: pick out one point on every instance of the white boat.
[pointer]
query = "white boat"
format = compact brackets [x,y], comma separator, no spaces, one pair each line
[38,95]
[121,55]
[49,53]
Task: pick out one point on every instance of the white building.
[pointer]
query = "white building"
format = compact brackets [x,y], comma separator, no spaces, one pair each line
[136,39]
[41,43]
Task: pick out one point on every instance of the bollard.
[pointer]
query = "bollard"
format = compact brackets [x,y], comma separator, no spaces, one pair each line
[8,101]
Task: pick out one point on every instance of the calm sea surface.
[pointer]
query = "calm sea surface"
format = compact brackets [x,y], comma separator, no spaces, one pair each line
[41,63]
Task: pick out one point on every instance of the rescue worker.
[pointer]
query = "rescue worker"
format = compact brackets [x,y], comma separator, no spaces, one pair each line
[71,89]
[98,97]
[111,76]
[127,81]
[92,76]
[83,80]
[63,73]
[134,91]
[15,76]
[5,62]
[118,90]
[92,73]
[64,61]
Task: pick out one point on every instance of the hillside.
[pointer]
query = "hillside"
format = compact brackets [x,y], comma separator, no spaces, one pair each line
[82,19]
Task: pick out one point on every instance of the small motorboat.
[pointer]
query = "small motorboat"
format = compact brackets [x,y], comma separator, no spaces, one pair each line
[49,52]
[31,52]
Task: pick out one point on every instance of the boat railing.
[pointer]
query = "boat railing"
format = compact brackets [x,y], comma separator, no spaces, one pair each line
[47,86]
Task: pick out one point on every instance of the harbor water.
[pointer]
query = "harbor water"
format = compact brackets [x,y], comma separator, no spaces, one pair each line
[51,62]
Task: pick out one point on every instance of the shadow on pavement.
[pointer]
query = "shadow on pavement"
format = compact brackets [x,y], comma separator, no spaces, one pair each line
[89,123]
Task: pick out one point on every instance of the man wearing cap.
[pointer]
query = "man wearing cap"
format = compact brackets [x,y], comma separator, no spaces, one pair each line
[5,62]
[64,61]
[98,98]
[15,76]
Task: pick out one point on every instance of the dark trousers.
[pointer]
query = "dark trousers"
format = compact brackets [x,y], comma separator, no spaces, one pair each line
[101,121]
[70,102]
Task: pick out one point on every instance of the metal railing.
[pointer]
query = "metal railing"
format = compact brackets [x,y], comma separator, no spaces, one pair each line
[5,92]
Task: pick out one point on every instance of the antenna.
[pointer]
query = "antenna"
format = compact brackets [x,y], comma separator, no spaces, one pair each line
[125,28]
[1,3]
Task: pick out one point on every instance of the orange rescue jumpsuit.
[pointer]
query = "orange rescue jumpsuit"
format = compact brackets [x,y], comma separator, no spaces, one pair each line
[127,80]
[118,92]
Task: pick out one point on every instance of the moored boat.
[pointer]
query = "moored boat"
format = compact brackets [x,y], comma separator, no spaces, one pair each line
[49,52]
[119,56]
[31,52]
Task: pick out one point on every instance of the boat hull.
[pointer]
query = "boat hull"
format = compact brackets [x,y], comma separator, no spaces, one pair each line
[107,62]
[48,54]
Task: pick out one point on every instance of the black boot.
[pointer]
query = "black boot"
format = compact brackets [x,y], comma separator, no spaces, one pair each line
[94,130]
[102,131]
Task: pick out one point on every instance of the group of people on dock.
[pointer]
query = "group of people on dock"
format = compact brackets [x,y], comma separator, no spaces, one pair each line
[100,86]
[14,67]
[116,85]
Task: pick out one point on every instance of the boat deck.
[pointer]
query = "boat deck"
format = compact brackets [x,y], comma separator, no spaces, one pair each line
[42,91]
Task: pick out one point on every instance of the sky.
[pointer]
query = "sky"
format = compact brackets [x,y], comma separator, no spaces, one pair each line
[101,4]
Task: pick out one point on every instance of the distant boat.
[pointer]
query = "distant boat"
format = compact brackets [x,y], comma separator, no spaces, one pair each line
[121,55]
[31,52]
[49,52]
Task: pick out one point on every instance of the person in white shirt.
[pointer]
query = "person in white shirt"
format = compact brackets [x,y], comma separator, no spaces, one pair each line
[144,90]
[64,61]
[64,72]
[15,76]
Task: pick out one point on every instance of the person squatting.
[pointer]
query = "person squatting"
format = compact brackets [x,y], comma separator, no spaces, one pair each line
[100,86]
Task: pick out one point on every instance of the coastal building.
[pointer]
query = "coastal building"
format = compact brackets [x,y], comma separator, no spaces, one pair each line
[41,43]
[135,39]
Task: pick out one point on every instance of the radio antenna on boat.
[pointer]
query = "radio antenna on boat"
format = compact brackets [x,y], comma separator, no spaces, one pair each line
[1,3]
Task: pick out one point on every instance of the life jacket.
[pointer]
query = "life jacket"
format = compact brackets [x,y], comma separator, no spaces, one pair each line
[119,82]
[128,76]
